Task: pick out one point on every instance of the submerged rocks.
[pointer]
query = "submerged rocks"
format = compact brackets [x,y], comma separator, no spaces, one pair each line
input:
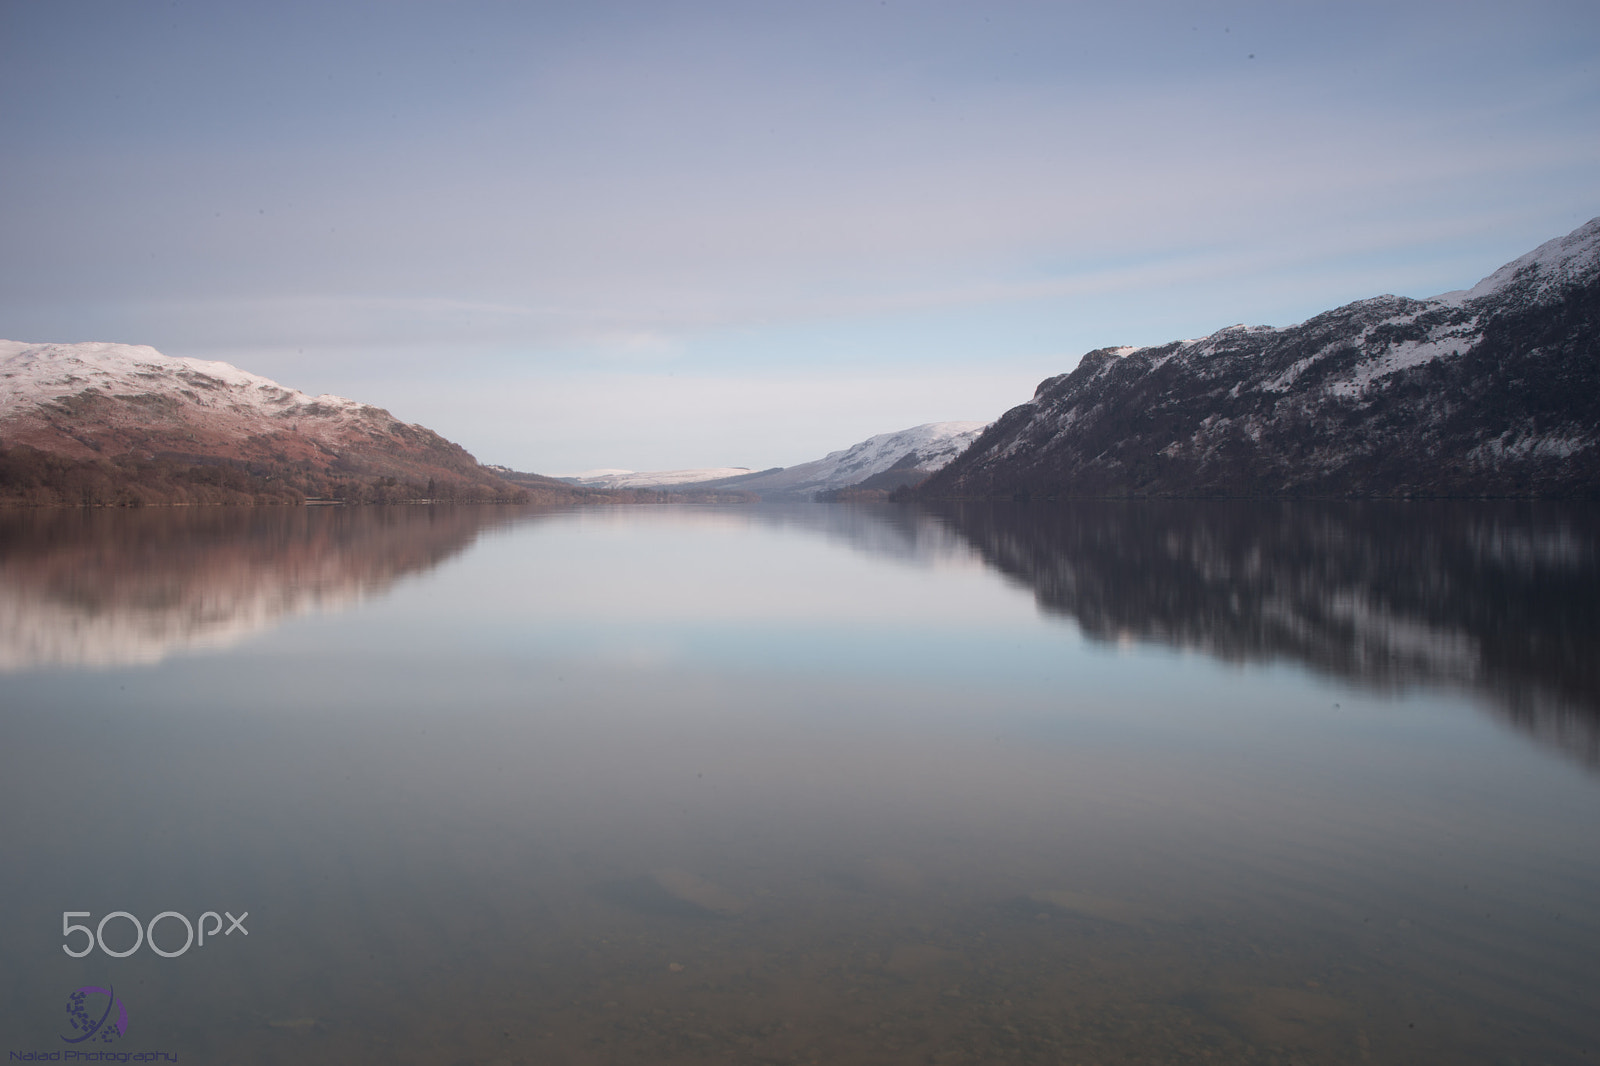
[671,892]
[696,891]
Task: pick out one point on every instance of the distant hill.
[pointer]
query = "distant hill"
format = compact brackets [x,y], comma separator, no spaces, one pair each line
[654,479]
[645,490]
[886,461]
[120,423]
[1491,391]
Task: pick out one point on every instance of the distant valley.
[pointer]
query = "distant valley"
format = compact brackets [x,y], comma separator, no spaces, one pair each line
[872,467]
[120,424]
[1491,391]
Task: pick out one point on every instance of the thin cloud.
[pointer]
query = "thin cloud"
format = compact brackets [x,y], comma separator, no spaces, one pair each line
[716,187]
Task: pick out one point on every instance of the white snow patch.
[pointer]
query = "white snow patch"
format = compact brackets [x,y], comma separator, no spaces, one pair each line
[1282,382]
[651,479]
[933,446]
[1405,356]
[1543,446]
[927,447]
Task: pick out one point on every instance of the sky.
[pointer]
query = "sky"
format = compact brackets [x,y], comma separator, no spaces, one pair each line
[662,235]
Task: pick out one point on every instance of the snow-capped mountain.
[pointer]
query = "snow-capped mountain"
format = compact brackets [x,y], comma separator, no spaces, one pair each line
[100,400]
[924,448]
[887,460]
[1494,390]
[898,459]
[653,479]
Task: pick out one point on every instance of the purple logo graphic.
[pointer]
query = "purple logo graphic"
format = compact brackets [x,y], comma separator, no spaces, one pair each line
[84,1004]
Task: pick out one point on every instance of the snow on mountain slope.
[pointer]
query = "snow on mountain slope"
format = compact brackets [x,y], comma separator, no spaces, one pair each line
[1554,265]
[634,479]
[930,446]
[919,450]
[1487,390]
[1396,333]
[41,375]
[105,400]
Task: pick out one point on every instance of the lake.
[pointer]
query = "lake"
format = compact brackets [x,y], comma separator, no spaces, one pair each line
[1083,783]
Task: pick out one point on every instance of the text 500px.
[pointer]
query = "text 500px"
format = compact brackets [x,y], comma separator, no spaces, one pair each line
[96,937]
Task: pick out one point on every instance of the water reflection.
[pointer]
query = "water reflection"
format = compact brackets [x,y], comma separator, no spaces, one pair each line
[102,588]
[1500,599]
[662,785]
[904,534]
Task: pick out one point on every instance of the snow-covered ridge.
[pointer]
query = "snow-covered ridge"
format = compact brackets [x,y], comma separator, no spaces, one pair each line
[651,479]
[1449,324]
[925,448]
[33,374]
[1451,395]
[1452,320]
[933,444]
[1554,265]
[99,401]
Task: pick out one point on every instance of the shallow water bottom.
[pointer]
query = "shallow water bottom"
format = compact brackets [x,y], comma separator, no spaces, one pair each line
[677,868]
[831,971]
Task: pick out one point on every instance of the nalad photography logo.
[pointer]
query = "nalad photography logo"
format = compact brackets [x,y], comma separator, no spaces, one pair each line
[96,1015]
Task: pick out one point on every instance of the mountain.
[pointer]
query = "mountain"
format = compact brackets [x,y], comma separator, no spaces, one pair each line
[121,411]
[886,461]
[1491,391]
[654,479]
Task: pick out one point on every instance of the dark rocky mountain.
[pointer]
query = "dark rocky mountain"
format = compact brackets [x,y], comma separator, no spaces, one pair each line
[1494,391]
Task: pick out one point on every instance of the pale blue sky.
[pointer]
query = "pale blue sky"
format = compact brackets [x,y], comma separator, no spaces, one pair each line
[656,235]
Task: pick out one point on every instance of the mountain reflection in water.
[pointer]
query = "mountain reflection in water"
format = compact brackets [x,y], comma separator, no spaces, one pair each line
[101,588]
[1500,599]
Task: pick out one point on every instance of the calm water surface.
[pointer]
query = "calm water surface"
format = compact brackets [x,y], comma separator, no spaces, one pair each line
[1109,783]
